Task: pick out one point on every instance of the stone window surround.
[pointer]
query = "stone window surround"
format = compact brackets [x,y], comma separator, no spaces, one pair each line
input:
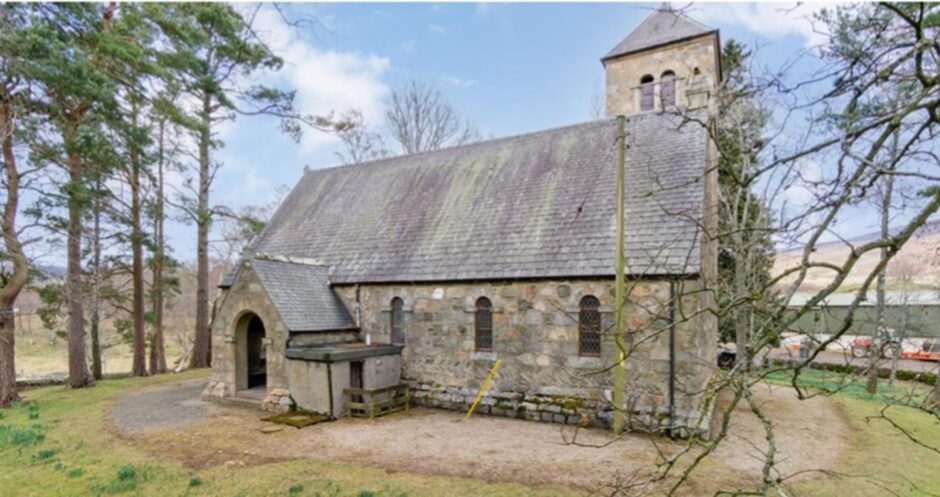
[657,100]
[573,310]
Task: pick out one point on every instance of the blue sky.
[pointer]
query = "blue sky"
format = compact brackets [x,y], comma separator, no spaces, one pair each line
[510,68]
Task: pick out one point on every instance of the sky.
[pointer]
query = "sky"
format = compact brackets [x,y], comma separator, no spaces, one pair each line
[509,68]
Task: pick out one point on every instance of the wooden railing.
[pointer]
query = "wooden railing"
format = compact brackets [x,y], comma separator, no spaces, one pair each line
[376,402]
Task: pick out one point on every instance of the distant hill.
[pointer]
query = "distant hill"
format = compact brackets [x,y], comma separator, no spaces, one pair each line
[918,262]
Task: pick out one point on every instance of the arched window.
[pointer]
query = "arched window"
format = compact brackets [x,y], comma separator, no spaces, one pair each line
[589,327]
[398,321]
[667,89]
[646,92]
[483,324]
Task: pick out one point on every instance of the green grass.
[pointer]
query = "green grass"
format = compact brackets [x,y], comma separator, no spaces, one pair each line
[68,448]
[853,385]
[881,459]
[60,443]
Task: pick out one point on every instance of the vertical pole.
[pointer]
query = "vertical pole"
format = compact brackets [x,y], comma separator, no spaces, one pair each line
[619,286]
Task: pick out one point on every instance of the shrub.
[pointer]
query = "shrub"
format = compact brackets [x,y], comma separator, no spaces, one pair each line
[44,454]
[126,472]
[15,436]
[903,375]
[295,489]
[195,481]
[75,472]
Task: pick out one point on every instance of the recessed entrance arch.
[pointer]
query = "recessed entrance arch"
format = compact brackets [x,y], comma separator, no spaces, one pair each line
[251,364]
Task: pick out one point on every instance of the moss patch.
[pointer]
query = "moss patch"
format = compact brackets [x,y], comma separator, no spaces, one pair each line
[297,419]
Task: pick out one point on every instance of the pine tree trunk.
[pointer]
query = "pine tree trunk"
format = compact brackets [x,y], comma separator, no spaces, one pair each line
[139,366]
[157,347]
[96,369]
[8,393]
[201,346]
[14,284]
[78,368]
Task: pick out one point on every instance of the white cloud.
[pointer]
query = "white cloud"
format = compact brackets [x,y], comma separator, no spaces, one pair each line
[773,20]
[325,80]
[407,46]
[437,28]
[459,82]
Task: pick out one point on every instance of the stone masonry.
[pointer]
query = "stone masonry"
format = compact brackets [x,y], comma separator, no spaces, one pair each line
[535,323]
[692,61]
[246,297]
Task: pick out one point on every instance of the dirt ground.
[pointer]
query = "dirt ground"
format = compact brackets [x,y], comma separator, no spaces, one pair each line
[810,434]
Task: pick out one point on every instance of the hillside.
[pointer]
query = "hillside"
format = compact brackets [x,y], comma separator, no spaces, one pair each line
[917,266]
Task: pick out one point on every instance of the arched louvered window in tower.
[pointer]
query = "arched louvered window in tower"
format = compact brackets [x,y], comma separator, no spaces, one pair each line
[483,324]
[667,89]
[589,327]
[647,89]
[398,321]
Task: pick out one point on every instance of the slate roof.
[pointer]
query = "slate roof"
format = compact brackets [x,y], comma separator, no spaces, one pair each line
[529,206]
[659,28]
[302,295]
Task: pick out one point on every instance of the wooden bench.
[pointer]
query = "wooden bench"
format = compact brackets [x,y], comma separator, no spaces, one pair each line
[376,402]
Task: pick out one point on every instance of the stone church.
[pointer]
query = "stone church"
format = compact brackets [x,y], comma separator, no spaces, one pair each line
[426,269]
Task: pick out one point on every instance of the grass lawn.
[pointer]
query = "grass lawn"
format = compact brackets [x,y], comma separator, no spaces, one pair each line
[881,460]
[61,444]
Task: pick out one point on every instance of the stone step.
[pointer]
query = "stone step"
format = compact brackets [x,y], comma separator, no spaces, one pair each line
[251,402]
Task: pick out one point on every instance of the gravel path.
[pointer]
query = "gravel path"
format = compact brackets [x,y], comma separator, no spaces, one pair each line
[811,434]
[163,407]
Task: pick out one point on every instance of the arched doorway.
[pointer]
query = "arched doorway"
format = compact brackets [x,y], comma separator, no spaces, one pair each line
[251,370]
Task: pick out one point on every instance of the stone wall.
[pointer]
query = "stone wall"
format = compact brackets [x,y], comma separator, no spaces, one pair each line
[684,58]
[246,296]
[536,336]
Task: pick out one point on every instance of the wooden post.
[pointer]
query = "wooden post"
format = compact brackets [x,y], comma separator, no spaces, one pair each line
[619,286]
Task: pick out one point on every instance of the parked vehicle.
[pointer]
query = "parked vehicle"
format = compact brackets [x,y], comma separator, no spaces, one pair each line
[929,350]
[886,342]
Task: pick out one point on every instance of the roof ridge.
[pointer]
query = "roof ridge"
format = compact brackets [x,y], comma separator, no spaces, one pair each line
[489,141]
[655,31]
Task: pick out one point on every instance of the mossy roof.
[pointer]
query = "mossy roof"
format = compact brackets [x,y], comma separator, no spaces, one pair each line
[530,206]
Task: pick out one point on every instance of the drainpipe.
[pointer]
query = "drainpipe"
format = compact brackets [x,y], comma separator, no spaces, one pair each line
[329,382]
[672,358]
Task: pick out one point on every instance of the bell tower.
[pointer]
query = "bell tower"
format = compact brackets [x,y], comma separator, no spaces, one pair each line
[668,61]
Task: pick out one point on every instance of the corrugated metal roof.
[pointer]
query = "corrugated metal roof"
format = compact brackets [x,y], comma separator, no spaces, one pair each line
[528,206]
[659,28]
[916,297]
[302,295]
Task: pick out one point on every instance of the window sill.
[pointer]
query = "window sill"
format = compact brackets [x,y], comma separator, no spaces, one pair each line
[483,355]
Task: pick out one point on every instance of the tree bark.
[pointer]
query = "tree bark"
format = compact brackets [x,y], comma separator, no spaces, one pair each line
[139,365]
[201,345]
[874,351]
[96,369]
[78,368]
[936,392]
[157,347]
[741,314]
[14,248]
